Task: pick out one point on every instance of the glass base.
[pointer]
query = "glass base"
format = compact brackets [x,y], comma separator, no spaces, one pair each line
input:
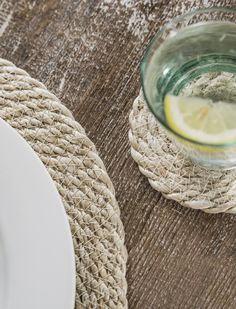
[213,159]
[215,165]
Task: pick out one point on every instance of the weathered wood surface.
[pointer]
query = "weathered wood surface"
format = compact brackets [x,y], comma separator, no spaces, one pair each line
[88,52]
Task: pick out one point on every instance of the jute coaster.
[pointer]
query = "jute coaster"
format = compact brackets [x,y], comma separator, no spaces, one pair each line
[171,173]
[82,181]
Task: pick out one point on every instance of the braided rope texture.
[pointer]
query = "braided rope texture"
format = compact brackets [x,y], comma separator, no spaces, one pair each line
[81,179]
[173,175]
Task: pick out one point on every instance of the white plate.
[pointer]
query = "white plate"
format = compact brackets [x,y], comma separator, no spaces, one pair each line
[36,252]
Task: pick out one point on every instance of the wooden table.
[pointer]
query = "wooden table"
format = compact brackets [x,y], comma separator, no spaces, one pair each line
[88,53]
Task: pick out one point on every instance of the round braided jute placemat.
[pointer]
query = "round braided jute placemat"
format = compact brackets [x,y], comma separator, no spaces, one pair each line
[172,174]
[82,181]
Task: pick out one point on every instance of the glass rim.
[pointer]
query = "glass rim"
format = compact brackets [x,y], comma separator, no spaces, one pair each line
[147,53]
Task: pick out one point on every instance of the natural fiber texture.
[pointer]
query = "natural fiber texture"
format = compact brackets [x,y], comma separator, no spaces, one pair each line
[81,180]
[172,174]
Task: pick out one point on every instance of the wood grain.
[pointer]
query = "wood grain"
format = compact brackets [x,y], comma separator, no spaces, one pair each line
[88,52]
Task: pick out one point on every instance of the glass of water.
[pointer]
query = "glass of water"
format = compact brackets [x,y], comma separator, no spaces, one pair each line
[188,76]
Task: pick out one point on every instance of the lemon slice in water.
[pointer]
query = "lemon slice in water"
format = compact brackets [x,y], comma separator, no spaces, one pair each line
[201,120]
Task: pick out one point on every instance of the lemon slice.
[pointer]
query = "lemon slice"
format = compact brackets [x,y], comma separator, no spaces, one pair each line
[201,120]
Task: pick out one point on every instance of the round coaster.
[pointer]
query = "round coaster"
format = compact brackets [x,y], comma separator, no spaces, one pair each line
[172,174]
[82,181]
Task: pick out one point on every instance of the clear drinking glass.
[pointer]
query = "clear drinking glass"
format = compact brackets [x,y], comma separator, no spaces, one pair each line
[194,55]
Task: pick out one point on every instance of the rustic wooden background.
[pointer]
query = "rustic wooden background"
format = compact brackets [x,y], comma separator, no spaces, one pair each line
[87,52]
